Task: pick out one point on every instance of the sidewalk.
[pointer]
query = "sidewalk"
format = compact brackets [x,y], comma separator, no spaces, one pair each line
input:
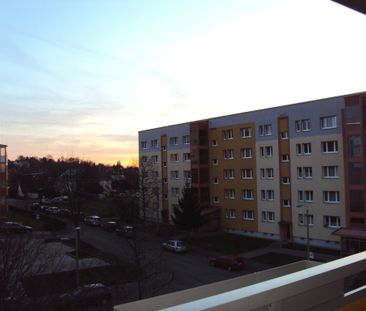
[276,247]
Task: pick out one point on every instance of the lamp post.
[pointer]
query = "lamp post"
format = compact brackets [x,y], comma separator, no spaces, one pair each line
[307,233]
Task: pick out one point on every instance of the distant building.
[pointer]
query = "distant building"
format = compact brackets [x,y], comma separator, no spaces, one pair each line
[3,179]
[271,173]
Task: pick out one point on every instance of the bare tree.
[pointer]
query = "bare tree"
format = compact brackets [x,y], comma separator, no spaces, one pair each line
[153,275]
[21,257]
[150,189]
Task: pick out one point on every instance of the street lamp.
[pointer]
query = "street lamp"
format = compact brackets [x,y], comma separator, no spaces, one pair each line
[307,233]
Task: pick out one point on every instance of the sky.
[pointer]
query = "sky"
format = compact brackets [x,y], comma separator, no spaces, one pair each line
[80,78]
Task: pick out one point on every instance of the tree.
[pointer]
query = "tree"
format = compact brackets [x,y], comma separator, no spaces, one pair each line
[149,184]
[187,215]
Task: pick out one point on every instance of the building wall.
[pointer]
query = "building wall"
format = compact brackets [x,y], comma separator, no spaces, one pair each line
[3,179]
[273,202]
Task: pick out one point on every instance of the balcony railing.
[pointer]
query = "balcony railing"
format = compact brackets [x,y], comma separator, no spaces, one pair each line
[319,287]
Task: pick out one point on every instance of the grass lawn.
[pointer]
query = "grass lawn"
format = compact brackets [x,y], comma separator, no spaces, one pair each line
[227,243]
[276,259]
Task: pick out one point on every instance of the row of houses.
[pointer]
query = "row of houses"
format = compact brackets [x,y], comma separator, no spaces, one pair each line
[274,173]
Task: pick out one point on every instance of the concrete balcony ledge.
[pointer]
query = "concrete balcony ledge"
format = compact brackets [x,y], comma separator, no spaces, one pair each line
[304,285]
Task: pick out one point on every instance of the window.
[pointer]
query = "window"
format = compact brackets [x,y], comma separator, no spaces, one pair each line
[308,172]
[247,173]
[267,173]
[284,135]
[265,130]
[305,196]
[229,194]
[164,148]
[228,134]
[354,146]
[173,141]
[328,122]
[214,143]
[268,216]
[230,213]
[305,219]
[215,162]
[330,146]
[154,143]
[186,157]
[187,175]
[144,159]
[246,132]
[286,180]
[331,196]
[174,174]
[186,139]
[332,221]
[302,125]
[248,215]
[246,153]
[215,200]
[285,158]
[330,171]
[144,144]
[154,159]
[228,154]
[165,180]
[215,180]
[353,115]
[303,149]
[164,164]
[248,194]
[267,195]
[266,151]
[174,157]
[229,174]
[175,191]
[286,203]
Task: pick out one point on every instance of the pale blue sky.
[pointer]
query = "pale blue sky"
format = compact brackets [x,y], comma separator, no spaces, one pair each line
[81,77]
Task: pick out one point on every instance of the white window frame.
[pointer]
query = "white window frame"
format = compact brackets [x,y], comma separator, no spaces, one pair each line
[286,203]
[173,141]
[308,196]
[174,157]
[215,200]
[246,153]
[186,157]
[247,173]
[266,151]
[228,134]
[284,135]
[265,130]
[215,162]
[154,143]
[174,174]
[186,139]
[214,143]
[326,170]
[144,144]
[328,122]
[230,213]
[285,158]
[327,196]
[229,173]
[329,146]
[229,194]
[286,180]
[303,125]
[248,194]
[331,221]
[303,149]
[228,154]
[215,181]
[154,158]
[271,216]
[248,215]
[246,132]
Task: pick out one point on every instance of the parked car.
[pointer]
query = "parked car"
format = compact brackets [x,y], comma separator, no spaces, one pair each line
[126,231]
[14,227]
[92,220]
[53,210]
[176,246]
[64,212]
[229,262]
[86,295]
[109,226]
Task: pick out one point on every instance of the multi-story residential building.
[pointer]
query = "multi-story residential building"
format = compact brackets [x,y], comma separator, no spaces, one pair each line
[275,173]
[3,179]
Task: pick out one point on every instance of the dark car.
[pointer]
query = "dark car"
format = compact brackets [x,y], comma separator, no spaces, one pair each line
[126,231]
[86,295]
[109,226]
[14,227]
[92,220]
[229,262]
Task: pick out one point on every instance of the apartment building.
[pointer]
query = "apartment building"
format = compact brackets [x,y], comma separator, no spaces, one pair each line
[276,173]
[3,179]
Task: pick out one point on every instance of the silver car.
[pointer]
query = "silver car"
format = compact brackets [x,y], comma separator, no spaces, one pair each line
[176,246]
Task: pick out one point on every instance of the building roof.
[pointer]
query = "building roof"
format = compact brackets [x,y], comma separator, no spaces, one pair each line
[351,233]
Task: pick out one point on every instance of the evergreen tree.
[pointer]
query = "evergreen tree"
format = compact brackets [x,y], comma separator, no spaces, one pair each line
[187,215]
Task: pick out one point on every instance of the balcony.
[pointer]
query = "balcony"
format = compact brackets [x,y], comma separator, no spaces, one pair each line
[304,285]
